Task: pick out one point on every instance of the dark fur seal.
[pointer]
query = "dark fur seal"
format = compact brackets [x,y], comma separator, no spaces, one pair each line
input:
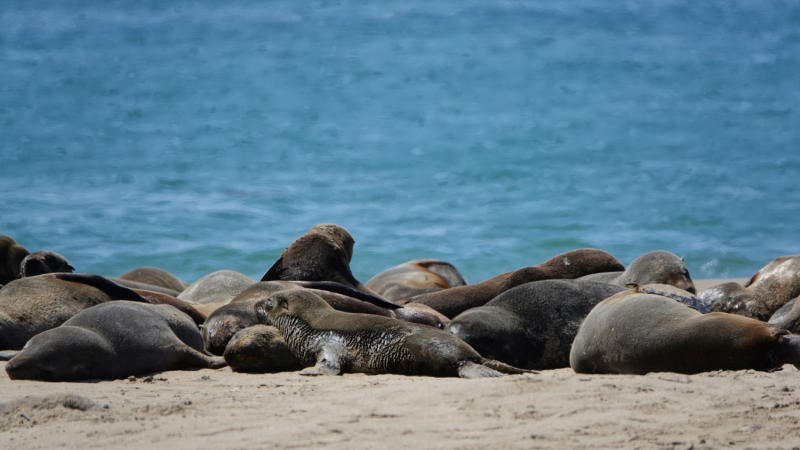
[31,305]
[223,323]
[113,340]
[330,342]
[638,333]
[657,267]
[44,261]
[11,256]
[155,277]
[768,290]
[260,349]
[531,326]
[416,277]
[322,254]
[573,264]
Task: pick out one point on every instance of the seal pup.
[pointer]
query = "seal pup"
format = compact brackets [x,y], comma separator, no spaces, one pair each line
[768,290]
[322,254]
[572,264]
[11,256]
[330,342]
[416,277]
[260,349]
[113,340]
[657,267]
[31,305]
[155,277]
[44,261]
[531,326]
[637,333]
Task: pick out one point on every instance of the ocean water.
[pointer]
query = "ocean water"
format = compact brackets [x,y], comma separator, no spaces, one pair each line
[198,136]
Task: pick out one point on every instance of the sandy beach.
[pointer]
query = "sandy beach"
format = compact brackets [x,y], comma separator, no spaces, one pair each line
[554,409]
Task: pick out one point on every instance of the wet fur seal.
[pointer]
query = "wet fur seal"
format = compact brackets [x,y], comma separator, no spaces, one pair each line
[260,349]
[31,305]
[531,326]
[637,333]
[113,340]
[44,261]
[569,265]
[330,342]
[657,267]
[416,277]
[223,323]
[11,256]
[768,290]
[322,254]
[155,277]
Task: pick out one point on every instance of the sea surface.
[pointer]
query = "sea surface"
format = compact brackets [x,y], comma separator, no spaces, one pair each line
[198,136]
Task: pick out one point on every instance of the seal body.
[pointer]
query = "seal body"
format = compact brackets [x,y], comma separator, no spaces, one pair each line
[335,342]
[416,277]
[569,265]
[11,256]
[657,267]
[155,277]
[638,333]
[769,289]
[531,326]
[216,290]
[113,340]
[44,261]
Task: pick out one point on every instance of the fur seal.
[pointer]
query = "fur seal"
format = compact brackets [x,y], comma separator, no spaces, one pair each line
[788,317]
[657,267]
[11,256]
[31,305]
[416,277]
[223,323]
[216,289]
[113,340]
[44,261]
[322,254]
[572,264]
[155,277]
[768,290]
[260,349]
[330,342]
[531,326]
[637,333]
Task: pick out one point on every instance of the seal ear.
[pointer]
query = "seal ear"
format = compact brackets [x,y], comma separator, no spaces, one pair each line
[682,259]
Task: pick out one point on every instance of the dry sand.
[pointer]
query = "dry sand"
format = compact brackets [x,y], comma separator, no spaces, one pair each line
[554,409]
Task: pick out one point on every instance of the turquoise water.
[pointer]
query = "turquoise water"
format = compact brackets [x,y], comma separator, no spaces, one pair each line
[197,136]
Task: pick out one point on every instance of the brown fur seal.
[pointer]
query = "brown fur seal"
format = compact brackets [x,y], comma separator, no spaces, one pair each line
[44,261]
[768,290]
[657,267]
[322,254]
[416,277]
[31,305]
[155,277]
[531,326]
[11,256]
[330,342]
[260,349]
[638,333]
[573,264]
[223,323]
[113,340]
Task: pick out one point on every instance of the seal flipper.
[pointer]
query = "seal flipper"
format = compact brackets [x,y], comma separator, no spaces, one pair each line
[6,355]
[328,363]
[193,358]
[469,369]
[505,368]
[275,272]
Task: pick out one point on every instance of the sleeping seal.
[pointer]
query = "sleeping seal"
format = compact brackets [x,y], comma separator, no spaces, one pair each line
[416,277]
[113,340]
[531,326]
[768,290]
[155,277]
[657,267]
[572,264]
[11,256]
[44,261]
[260,349]
[329,342]
[637,333]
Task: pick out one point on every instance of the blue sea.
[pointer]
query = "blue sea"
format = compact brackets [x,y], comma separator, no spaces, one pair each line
[198,136]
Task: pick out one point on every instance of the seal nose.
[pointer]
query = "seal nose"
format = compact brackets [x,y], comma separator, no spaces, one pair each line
[12,370]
